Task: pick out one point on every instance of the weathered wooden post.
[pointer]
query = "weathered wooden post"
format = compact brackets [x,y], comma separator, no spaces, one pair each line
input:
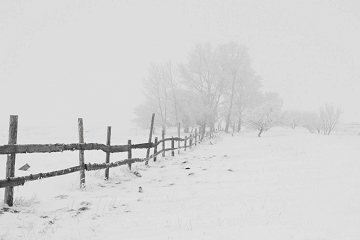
[163,142]
[195,136]
[81,153]
[172,146]
[155,148]
[190,141]
[185,143]
[10,163]
[107,160]
[150,136]
[179,138]
[129,153]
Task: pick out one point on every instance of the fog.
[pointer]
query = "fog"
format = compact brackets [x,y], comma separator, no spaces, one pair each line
[60,60]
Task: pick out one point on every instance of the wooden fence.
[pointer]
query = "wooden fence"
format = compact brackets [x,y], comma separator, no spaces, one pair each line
[11,149]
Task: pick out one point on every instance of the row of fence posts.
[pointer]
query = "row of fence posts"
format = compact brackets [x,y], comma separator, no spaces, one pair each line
[13,128]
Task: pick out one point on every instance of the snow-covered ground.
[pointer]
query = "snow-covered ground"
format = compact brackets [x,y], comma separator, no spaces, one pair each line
[285,185]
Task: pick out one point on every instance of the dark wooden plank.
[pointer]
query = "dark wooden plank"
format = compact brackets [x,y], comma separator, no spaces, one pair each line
[16,181]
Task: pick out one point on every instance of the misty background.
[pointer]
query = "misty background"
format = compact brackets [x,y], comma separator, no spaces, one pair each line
[61,60]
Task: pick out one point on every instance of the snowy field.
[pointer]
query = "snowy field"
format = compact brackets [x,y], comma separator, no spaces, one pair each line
[285,185]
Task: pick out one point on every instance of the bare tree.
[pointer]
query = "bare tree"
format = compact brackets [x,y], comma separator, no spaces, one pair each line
[293,118]
[311,121]
[156,87]
[235,69]
[169,76]
[330,117]
[201,75]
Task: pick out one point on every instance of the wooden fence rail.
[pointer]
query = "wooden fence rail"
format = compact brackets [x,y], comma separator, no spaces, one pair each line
[12,149]
[59,147]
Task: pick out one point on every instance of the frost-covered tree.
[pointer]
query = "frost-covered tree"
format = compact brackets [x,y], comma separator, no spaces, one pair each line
[201,76]
[160,95]
[235,69]
[293,118]
[311,121]
[266,115]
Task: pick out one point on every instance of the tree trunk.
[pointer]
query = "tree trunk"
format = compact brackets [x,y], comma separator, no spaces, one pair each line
[230,107]
[261,130]
[239,125]
[164,129]
[203,126]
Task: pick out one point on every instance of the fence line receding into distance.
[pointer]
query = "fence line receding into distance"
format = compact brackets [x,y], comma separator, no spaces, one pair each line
[11,149]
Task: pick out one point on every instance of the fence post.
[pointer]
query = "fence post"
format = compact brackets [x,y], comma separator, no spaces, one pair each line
[179,138]
[185,143]
[190,141]
[200,134]
[150,136]
[81,153]
[172,146]
[129,153]
[10,163]
[195,136]
[155,148]
[163,143]
[107,154]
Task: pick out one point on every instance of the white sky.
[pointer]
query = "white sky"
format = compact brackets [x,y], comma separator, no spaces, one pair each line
[60,60]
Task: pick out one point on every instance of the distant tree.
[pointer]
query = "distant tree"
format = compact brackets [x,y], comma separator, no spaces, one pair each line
[160,94]
[156,90]
[293,118]
[330,117]
[247,96]
[266,115]
[235,69]
[143,114]
[201,75]
[190,109]
[311,121]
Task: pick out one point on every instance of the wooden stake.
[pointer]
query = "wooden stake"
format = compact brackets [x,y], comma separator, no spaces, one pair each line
[107,160]
[185,143]
[150,136]
[172,146]
[190,141]
[163,143]
[179,137]
[10,163]
[81,153]
[155,148]
[129,153]
[195,136]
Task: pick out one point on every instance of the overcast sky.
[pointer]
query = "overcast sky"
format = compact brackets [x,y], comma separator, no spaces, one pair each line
[60,60]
